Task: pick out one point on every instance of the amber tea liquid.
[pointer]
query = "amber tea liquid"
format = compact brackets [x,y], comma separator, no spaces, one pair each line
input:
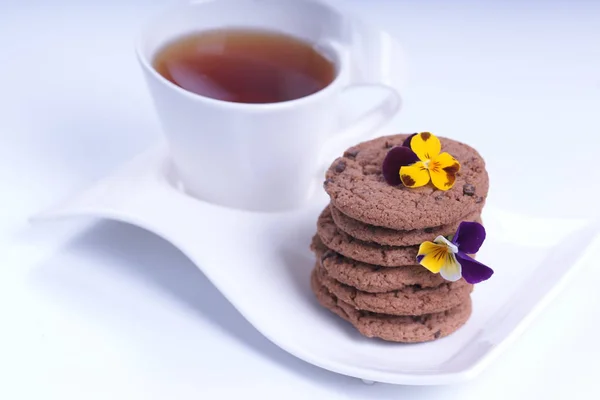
[245,66]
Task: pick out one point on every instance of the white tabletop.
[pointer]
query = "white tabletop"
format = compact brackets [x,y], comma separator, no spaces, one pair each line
[108,311]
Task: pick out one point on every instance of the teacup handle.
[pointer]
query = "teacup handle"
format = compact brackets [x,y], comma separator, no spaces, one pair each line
[375,59]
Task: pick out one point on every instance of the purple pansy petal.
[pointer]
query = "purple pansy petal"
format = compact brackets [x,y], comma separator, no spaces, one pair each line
[472,270]
[397,157]
[408,139]
[469,237]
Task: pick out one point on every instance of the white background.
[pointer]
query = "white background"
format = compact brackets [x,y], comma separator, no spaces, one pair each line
[107,311]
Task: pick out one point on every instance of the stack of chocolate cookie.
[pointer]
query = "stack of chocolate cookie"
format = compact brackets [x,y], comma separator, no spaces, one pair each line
[368,239]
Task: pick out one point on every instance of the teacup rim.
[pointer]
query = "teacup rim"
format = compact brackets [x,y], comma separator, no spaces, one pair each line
[146,63]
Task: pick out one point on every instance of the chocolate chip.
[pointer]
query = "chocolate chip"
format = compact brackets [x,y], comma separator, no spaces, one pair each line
[479,200]
[468,189]
[340,166]
[388,145]
[428,230]
[327,181]
[352,153]
[437,334]
[439,197]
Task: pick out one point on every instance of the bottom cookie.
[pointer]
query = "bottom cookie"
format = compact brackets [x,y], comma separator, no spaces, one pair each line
[404,329]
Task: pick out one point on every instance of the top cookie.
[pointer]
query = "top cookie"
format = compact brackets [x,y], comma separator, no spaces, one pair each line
[357,188]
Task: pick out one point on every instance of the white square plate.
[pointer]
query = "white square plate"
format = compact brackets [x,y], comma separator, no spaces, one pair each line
[261,263]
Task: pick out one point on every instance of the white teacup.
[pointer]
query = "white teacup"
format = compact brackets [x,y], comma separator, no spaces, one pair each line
[265,157]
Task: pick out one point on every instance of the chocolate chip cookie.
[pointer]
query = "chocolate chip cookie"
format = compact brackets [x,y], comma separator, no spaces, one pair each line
[405,329]
[371,278]
[357,188]
[390,237]
[370,253]
[411,300]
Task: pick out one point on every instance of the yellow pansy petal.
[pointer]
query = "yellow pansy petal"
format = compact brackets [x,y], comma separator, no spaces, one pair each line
[432,256]
[443,169]
[425,145]
[415,175]
[451,270]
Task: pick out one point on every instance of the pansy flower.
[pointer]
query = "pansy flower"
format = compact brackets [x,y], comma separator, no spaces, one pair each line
[420,161]
[450,258]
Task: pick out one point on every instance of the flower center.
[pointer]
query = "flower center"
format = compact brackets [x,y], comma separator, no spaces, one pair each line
[426,163]
[451,246]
